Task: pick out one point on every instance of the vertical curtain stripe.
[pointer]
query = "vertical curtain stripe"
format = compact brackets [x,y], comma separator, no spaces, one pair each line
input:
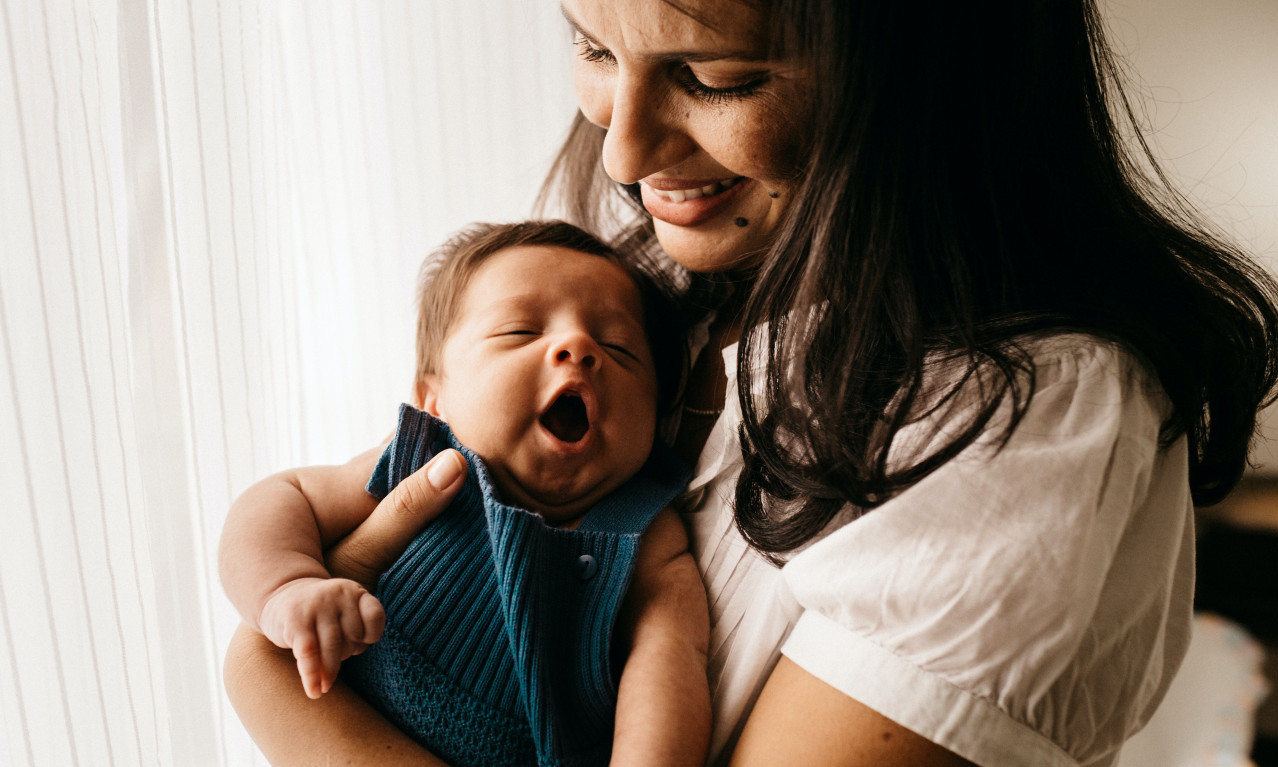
[204,563]
[113,586]
[330,158]
[184,331]
[10,652]
[20,436]
[235,237]
[130,512]
[64,437]
[252,130]
[20,430]
[209,250]
[113,354]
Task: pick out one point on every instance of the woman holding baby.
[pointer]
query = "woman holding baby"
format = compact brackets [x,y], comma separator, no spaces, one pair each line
[962,366]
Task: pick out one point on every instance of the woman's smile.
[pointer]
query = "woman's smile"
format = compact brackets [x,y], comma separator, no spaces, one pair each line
[692,206]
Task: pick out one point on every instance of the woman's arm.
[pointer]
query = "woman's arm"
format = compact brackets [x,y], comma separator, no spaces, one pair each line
[340,728]
[663,700]
[800,719]
[291,729]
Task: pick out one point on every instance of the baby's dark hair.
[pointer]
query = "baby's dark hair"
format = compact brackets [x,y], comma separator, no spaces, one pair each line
[446,272]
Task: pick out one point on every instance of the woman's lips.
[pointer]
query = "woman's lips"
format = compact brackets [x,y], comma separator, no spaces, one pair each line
[667,206]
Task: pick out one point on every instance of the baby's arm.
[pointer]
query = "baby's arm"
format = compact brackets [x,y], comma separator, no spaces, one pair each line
[663,701]
[271,560]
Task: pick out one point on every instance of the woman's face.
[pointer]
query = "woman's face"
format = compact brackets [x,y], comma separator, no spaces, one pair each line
[698,115]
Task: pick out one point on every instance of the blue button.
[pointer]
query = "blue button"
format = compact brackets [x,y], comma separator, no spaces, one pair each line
[586,567]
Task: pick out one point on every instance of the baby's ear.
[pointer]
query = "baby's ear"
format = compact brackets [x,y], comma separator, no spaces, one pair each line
[426,394]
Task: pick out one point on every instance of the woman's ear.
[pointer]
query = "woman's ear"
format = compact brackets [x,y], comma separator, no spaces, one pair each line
[426,394]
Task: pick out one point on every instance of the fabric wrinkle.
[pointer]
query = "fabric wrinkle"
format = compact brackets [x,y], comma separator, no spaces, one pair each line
[1045,578]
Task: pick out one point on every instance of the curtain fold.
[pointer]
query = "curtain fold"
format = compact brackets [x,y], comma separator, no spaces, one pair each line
[211,217]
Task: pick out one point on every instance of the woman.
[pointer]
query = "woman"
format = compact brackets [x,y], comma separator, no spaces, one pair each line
[973,359]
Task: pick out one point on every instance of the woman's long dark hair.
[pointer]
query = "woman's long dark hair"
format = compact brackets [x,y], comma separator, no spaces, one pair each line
[967,187]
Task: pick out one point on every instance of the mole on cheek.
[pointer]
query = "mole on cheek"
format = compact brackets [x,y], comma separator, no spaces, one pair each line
[774,195]
[742,221]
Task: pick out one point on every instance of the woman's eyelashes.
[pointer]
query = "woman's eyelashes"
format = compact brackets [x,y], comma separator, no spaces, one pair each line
[682,75]
[712,95]
[592,54]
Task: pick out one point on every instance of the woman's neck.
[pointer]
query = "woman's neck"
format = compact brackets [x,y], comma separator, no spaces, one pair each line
[707,390]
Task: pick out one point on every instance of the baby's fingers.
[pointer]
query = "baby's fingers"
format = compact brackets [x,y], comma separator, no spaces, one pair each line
[310,665]
[373,616]
[334,648]
[363,620]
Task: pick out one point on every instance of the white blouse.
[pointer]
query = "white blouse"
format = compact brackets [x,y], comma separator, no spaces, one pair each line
[1028,606]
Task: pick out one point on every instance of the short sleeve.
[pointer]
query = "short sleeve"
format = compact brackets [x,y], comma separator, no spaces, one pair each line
[1022,606]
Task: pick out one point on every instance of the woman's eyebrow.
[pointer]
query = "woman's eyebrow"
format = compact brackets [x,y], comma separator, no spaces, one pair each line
[576,26]
[690,57]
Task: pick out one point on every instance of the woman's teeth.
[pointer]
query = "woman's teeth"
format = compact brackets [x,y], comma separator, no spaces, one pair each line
[679,195]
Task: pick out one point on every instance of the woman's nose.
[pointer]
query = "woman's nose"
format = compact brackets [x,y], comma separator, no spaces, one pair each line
[575,348]
[644,136]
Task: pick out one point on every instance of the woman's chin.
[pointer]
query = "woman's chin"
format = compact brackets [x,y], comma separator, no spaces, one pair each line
[712,247]
[735,239]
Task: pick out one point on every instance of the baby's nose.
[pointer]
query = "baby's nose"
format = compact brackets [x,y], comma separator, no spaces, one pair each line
[577,348]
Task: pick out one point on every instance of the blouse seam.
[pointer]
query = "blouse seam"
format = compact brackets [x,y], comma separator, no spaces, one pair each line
[984,701]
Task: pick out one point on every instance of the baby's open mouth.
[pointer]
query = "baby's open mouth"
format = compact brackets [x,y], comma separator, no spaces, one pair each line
[566,418]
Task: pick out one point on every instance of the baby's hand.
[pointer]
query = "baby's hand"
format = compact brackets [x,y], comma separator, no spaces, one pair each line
[324,621]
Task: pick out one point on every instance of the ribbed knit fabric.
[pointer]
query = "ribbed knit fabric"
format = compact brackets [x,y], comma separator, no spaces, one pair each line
[498,640]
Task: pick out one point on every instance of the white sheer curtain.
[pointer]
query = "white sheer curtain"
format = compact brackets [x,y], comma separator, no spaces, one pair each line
[211,214]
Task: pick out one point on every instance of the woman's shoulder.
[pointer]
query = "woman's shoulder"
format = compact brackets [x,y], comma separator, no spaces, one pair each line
[1054,386]
[1051,356]
[1101,371]
[1074,353]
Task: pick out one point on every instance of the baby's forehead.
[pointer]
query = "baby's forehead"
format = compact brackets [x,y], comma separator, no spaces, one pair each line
[538,276]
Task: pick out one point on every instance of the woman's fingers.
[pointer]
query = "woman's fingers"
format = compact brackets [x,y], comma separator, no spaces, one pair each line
[371,548]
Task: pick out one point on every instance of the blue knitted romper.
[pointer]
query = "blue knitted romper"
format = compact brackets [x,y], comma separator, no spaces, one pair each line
[497,645]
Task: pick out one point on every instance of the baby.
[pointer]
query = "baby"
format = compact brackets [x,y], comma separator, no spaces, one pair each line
[536,361]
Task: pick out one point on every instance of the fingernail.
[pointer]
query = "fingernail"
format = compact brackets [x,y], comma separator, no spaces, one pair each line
[444,470]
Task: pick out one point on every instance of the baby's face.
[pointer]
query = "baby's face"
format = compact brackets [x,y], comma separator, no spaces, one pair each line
[546,374]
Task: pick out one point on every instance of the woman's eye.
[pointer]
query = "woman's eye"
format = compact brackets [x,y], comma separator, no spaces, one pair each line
[718,95]
[683,76]
[589,52]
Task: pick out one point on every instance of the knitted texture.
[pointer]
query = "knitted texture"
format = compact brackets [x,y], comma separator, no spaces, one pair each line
[498,642]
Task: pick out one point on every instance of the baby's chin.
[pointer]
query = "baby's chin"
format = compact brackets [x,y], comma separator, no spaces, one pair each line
[561,504]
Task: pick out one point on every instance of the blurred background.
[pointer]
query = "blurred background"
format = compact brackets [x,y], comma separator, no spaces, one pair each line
[211,215]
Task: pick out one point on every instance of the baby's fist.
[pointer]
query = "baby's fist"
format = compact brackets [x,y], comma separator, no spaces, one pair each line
[324,621]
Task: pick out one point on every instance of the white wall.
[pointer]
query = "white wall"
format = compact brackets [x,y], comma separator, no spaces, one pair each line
[1209,75]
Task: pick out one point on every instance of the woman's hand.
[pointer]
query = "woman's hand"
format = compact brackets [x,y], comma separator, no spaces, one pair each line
[340,728]
[371,548]
[292,729]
